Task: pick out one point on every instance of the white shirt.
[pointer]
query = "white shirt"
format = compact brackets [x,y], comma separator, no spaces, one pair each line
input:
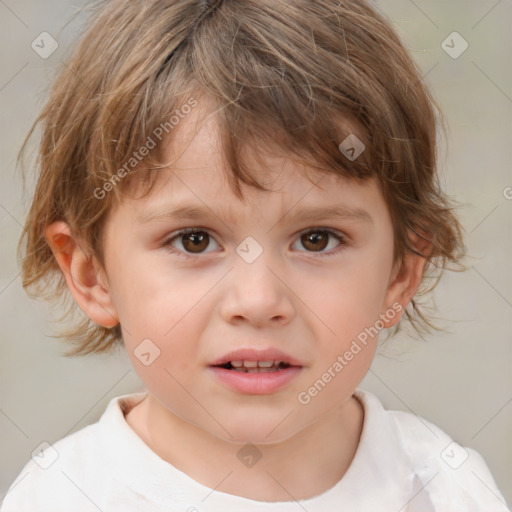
[403,463]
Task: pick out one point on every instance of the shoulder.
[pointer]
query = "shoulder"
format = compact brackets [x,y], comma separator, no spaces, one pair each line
[58,474]
[444,474]
[75,471]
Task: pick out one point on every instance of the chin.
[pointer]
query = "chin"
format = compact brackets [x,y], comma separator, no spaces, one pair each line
[264,432]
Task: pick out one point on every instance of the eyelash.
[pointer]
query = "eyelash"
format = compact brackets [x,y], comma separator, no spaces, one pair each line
[332,252]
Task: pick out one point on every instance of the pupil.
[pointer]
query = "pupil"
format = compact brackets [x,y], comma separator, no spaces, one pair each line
[199,241]
[315,239]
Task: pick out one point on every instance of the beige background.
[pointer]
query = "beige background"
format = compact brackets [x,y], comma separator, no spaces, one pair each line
[460,380]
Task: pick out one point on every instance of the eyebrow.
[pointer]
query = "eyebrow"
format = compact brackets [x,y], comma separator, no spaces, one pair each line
[311,214]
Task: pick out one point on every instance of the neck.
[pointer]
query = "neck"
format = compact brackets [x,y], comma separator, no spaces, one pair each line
[303,466]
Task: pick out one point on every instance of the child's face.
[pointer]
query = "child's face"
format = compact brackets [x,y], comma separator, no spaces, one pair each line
[306,300]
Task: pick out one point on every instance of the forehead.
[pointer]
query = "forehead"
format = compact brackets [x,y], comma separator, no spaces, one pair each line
[196,177]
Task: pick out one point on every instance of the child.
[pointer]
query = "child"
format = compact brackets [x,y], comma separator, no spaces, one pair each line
[243,194]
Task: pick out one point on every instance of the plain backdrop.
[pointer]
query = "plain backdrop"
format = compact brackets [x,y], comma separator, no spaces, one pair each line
[461,379]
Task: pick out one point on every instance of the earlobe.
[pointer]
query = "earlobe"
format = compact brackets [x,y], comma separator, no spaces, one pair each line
[85,281]
[406,278]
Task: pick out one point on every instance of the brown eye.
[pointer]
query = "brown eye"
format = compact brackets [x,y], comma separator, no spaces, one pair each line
[193,242]
[196,241]
[315,240]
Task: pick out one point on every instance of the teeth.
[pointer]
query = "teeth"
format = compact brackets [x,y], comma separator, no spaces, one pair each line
[255,366]
[267,364]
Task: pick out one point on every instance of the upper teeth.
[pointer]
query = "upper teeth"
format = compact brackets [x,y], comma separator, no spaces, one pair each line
[254,364]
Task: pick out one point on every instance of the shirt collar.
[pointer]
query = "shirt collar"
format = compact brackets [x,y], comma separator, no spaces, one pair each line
[379,477]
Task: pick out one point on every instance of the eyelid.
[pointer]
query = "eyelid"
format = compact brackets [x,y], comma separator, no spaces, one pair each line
[323,228]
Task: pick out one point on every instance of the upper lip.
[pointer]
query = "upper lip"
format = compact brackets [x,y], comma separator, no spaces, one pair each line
[252,354]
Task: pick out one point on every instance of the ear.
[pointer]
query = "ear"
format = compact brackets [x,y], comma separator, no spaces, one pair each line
[85,279]
[406,279]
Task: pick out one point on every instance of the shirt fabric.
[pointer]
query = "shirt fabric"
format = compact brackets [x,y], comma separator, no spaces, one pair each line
[403,463]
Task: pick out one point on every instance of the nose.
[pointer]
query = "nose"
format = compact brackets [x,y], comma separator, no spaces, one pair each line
[256,293]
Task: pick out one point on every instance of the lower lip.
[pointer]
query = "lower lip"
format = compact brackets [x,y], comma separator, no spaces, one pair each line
[257,383]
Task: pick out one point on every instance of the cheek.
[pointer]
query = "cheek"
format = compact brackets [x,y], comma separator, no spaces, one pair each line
[350,298]
[163,348]
[348,307]
[156,299]
[162,315]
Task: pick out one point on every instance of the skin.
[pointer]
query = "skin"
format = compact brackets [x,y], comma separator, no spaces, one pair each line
[308,303]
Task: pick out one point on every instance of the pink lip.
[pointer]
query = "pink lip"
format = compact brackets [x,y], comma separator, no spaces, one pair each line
[258,383]
[251,354]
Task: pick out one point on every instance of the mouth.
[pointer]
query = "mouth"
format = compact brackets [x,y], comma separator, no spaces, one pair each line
[256,371]
[251,377]
[254,366]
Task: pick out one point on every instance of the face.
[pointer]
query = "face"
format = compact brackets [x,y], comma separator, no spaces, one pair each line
[254,280]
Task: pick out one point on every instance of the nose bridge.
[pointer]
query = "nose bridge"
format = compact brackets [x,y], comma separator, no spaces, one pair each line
[253,266]
[255,288]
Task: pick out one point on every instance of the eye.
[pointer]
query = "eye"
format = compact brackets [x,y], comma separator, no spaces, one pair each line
[194,241]
[317,239]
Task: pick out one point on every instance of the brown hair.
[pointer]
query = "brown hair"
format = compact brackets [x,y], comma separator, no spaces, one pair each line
[283,74]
